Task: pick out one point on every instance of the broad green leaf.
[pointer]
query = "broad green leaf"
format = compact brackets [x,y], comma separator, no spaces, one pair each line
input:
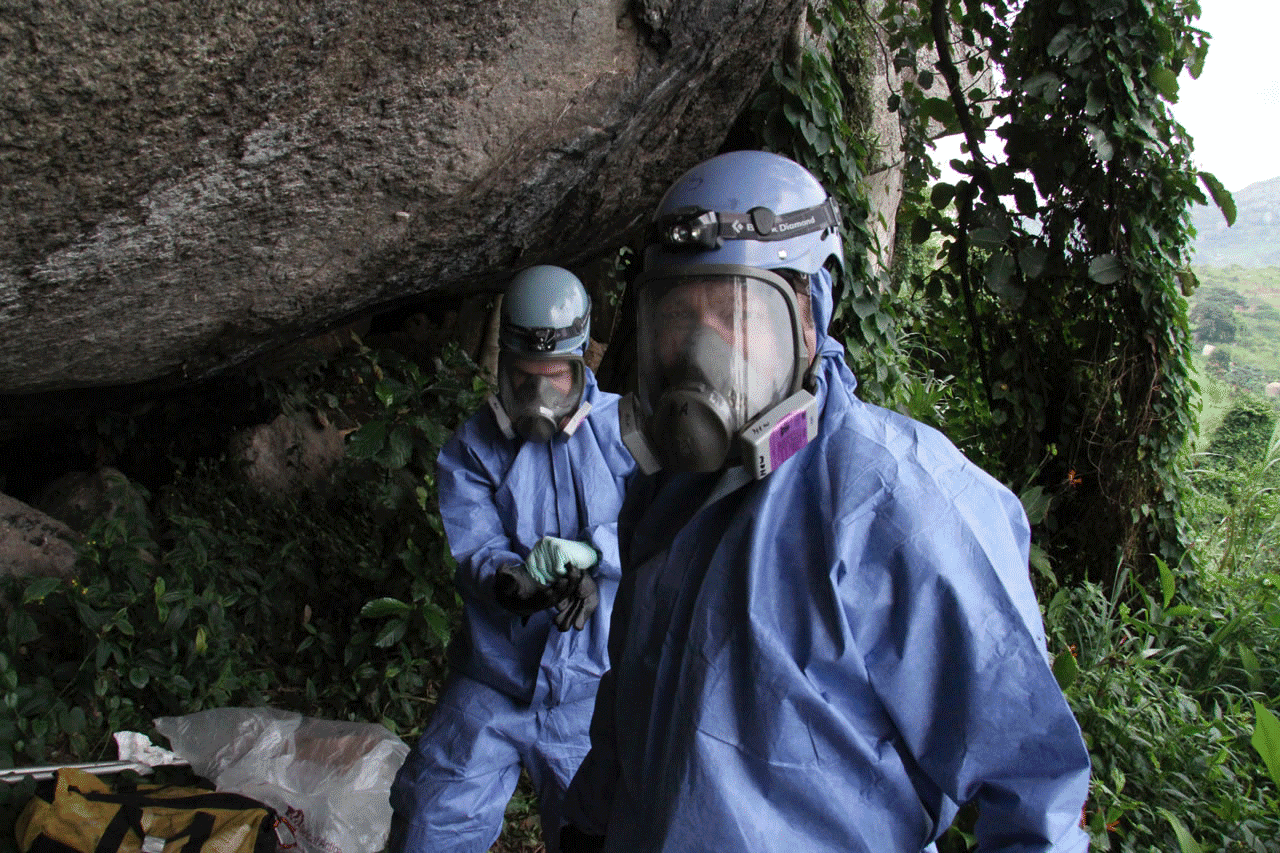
[999,279]
[386,393]
[941,195]
[381,608]
[1035,503]
[437,621]
[73,721]
[1044,84]
[365,442]
[1079,52]
[1039,560]
[1167,585]
[139,677]
[391,633]
[399,448]
[39,588]
[920,230]
[1252,666]
[866,307]
[1061,41]
[1095,100]
[1065,669]
[985,238]
[1186,843]
[1223,199]
[1033,260]
[1266,739]
[1099,142]
[940,110]
[1166,83]
[1106,269]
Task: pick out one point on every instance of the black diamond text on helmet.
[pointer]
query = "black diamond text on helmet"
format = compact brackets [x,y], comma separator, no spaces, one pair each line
[697,229]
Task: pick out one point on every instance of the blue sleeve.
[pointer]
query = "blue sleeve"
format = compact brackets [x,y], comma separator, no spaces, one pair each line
[590,796]
[958,660]
[468,472]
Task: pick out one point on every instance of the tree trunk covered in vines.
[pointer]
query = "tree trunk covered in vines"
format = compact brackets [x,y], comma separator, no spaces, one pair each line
[1056,322]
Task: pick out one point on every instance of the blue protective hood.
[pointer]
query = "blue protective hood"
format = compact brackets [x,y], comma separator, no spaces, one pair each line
[822,304]
[833,658]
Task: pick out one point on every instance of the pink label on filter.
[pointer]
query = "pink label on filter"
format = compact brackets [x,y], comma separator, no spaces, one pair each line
[791,434]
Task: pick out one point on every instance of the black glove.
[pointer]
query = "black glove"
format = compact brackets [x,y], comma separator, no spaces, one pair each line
[577,597]
[574,840]
[518,592]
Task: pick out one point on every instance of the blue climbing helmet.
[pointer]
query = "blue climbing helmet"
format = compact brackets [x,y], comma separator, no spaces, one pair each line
[749,208]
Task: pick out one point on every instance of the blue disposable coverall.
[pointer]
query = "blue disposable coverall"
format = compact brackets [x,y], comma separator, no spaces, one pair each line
[831,658]
[519,692]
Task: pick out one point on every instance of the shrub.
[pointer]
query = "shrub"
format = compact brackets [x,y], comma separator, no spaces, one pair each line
[337,605]
[1165,697]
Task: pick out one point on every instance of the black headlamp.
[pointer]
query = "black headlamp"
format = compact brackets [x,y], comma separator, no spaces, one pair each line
[689,229]
[698,229]
[521,339]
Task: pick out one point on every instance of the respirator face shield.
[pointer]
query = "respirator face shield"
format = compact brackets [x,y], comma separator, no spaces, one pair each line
[718,347]
[538,393]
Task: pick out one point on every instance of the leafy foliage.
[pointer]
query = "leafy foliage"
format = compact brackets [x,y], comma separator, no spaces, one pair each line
[1038,314]
[1067,256]
[1168,695]
[231,597]
[1236,502]
[816,110]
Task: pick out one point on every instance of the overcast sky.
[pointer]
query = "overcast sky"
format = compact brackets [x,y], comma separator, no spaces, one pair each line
[1232,110]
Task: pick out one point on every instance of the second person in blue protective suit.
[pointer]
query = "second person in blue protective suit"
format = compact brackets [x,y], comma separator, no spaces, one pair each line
[530,488]
[826,638]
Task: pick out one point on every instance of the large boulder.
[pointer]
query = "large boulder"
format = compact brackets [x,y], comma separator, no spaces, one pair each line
[33,544]
[188,185]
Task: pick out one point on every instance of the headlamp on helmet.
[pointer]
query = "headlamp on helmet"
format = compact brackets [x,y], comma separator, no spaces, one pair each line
[698,230]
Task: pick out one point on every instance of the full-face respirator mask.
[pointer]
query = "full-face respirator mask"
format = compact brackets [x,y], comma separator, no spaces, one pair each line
[721,366]
[722,360]
[539,397]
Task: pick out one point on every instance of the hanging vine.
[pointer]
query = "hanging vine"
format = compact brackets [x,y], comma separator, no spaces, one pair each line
[1065,247]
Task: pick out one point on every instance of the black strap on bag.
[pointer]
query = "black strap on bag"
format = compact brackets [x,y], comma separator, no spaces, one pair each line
[113,836]
[129,817]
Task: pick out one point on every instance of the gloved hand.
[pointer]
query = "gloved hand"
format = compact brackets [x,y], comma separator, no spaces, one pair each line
[552,558]
[518,592]
[574,840]
[577,598]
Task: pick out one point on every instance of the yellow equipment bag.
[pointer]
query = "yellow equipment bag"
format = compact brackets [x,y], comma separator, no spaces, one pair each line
[87,816]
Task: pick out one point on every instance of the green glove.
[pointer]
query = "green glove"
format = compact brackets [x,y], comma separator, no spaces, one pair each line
[552,557]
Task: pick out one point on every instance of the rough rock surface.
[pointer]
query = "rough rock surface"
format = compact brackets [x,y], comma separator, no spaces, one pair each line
[290,455]
[186,185]
[34,544]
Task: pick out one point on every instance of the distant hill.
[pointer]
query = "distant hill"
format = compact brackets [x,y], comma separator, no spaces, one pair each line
[1254,241]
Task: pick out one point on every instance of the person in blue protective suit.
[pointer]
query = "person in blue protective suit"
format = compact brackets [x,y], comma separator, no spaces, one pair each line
[825,638]
[529,488]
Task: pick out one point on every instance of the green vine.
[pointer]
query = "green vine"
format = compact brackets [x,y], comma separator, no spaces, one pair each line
[1064,248]
[815,109]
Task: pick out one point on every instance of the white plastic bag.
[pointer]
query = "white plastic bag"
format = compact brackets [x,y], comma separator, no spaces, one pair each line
[329,780]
